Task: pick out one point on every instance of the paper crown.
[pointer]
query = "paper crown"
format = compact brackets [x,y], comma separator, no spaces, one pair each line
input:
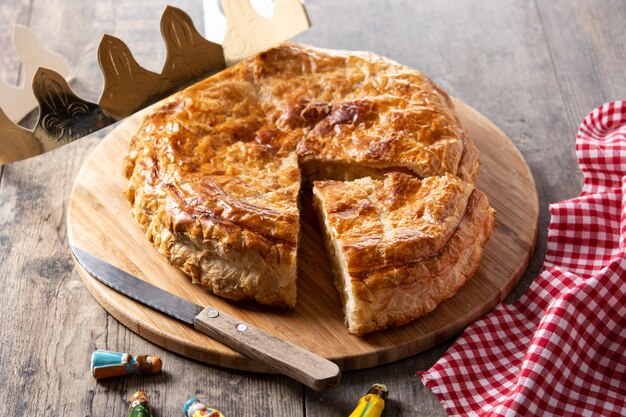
[18,101]
[128,87]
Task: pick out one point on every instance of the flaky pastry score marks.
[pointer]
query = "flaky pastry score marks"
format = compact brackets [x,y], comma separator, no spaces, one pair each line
[400,245]
[215,172]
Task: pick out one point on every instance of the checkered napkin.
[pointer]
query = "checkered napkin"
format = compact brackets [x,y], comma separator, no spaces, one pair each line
[561,349]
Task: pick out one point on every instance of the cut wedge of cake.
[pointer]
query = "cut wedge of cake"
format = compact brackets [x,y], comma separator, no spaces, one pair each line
[400,245]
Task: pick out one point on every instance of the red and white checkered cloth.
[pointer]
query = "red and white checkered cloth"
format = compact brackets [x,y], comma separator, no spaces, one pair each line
[561,349]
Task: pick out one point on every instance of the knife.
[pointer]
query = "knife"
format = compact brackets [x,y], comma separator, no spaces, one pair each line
[311,370]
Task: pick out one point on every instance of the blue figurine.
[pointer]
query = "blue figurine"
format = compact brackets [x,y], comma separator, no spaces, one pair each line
[107,364]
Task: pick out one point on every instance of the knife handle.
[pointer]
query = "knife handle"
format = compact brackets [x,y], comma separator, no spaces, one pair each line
[306,367]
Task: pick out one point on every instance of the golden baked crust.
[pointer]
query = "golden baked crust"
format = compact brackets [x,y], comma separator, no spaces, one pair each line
[214,172]
[365,112]
[401,245]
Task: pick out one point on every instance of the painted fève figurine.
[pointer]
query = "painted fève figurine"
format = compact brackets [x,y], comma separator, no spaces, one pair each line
[139,405]
[373,403]
[195,408]
[106,364]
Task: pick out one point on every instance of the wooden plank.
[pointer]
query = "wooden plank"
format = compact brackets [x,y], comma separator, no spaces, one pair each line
[48,357]
[587,42]
[491,55]
[10,14]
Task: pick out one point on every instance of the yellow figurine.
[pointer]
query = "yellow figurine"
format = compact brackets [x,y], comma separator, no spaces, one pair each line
[373,403]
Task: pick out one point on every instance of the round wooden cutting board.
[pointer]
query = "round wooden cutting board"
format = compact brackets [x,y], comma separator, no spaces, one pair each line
[99,222]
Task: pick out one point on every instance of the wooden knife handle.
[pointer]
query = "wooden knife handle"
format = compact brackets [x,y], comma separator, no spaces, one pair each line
[312,370]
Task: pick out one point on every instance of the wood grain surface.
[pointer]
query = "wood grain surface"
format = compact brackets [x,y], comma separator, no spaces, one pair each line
[99,222]
[534,68]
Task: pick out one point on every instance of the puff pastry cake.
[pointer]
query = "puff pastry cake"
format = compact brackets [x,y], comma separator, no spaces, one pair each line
[401,245]
[215,172]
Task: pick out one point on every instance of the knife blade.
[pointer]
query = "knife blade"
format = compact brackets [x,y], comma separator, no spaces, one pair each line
[306,367]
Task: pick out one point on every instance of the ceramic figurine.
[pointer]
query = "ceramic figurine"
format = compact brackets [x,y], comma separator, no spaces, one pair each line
[194,408]
[373,403]
[106,364]
[139,405]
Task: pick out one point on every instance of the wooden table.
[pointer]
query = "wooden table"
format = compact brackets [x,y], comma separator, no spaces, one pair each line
[534,68]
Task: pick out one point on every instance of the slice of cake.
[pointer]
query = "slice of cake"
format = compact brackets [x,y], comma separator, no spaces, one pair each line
[401,245]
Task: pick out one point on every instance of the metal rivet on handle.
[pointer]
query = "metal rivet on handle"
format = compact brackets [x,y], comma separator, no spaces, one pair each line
[213,313]
[242,327]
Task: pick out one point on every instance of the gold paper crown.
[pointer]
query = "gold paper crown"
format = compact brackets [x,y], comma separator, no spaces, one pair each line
[65,117]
